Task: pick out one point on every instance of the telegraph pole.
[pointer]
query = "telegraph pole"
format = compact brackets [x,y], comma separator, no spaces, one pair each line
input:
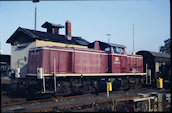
[0,47]
[108,37]
[35,15]
[35,1]
[133,41]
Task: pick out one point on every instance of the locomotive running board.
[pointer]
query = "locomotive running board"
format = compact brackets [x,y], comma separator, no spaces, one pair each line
[91,74]
[100,74]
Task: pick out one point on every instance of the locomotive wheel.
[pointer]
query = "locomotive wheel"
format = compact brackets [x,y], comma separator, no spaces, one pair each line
[63,88]
[83,85]
[125,84]
[137,83]
[76,85]
[90,86]
[86,88]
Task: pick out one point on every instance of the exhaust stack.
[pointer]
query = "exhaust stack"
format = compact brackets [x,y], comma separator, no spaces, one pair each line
[68,30]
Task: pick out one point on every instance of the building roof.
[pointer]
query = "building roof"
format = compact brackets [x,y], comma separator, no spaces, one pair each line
[155,54]
[32,35]
[48,24]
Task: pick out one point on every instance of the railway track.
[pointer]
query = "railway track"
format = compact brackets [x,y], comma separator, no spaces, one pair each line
[20,101]
[11,102]
[82,106]
[87,102]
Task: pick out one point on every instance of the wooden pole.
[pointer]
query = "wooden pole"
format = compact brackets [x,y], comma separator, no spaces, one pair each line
[44,90]
[54,75]
[107,93]
[133,41]
[146,73]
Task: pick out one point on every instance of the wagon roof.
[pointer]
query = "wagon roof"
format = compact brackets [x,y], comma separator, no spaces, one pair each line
[32,35]
[154,54]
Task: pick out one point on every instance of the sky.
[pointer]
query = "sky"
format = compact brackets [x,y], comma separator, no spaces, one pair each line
[93,20]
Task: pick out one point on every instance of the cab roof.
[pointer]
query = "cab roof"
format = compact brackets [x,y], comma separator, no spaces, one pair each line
[105,45]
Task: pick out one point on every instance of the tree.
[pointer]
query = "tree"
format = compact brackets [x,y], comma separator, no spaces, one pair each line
[166,47]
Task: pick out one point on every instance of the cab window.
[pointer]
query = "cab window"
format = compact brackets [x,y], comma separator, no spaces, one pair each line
[122,52]
[116,50]
[107,49]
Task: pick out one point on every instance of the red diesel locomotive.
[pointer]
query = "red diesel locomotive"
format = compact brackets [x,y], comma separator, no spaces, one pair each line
[112,59]
[67,70]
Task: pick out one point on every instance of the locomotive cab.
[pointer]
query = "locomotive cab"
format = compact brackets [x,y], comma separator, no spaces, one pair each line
[109,47]
[118,60]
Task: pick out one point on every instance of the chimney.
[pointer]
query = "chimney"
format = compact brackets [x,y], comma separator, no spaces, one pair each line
[52,28]
[68,30]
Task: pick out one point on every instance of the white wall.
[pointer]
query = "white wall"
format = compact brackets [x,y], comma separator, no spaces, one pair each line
[18,52]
